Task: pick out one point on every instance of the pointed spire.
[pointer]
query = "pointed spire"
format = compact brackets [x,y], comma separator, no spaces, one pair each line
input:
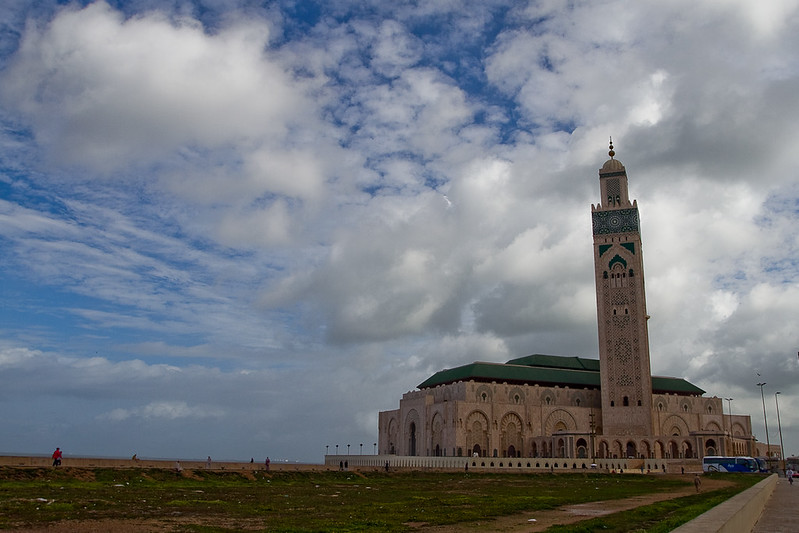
[611,153]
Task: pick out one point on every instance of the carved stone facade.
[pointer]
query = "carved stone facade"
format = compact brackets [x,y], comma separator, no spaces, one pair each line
[550,406]
[501,419]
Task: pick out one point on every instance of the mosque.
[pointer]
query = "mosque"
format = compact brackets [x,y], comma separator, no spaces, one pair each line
[573,407]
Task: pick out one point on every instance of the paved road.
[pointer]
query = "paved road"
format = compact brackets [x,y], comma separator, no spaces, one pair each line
[781,514]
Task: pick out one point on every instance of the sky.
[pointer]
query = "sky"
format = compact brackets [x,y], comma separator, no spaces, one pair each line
[243,228]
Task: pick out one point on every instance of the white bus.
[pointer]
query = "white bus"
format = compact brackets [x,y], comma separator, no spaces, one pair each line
[717,463]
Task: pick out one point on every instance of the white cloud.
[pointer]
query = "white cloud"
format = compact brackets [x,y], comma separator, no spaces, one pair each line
[165,410]
[106,92]
[358,199]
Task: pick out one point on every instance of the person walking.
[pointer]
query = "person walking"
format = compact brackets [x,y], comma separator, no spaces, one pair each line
[789,475]
[697,482]
[57,457]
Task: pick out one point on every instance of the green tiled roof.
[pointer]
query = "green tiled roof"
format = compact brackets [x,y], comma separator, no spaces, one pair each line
[666,385]
[557,361]
[548,370]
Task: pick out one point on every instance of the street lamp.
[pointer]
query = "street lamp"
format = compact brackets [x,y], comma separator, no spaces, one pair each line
[327,449]
[779,426]
[375,445]
[348,449]
[729,404]
[765,419]
[362,448]
[336,449]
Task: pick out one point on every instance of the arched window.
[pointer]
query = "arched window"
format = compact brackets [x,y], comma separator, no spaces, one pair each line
[626,401]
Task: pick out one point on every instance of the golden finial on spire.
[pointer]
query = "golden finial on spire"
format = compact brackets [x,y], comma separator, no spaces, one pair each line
[611,153]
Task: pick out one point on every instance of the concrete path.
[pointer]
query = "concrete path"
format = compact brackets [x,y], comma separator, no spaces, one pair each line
[781,514]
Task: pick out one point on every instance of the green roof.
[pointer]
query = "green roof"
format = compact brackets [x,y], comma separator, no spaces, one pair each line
[557,361]
[548,370]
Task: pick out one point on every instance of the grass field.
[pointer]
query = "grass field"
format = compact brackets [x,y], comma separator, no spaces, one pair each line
[203,500]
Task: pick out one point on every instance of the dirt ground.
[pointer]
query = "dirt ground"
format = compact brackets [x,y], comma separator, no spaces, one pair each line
[520,523]
[569,514]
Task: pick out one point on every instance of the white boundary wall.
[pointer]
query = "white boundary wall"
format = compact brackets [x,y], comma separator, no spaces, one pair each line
[514,464]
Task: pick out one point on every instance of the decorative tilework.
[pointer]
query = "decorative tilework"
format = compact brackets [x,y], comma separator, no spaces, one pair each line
[615,221]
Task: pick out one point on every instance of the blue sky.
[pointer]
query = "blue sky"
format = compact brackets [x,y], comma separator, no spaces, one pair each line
[243,228]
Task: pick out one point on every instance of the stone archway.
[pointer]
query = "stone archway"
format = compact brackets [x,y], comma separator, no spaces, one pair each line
[674,426]
[710,447]
[604,450]
[559,419]
[631,450]
[581,449]
[411,432]
[674,450]
[511,438]
[437,437]
[687,449]
[477,429]
[393,435]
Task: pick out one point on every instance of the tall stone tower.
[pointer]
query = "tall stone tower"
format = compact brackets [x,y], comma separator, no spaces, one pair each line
[621,307]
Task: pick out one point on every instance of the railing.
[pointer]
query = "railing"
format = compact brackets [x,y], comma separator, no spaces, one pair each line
[510,464]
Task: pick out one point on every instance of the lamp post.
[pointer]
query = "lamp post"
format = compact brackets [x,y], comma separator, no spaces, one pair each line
[765,419]
[362,448]
[348,449]
[729,413]
[327,449]
[375,445]
[779,426]
[336,449]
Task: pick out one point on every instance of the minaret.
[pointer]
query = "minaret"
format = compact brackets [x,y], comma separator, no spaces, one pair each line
[621,307]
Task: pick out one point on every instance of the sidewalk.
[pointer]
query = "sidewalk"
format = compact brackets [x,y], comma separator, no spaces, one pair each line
[781,514]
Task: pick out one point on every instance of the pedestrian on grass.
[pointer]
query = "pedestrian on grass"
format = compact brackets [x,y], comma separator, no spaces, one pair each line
[57,457]
[697,482]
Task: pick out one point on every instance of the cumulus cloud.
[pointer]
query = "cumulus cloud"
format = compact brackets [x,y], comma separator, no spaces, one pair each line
[226,216]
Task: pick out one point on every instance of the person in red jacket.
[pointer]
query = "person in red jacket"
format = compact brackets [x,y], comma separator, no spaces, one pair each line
[57,457]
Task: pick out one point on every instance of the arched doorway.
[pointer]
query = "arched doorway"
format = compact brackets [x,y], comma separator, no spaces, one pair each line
[511,451]
[604,450]
[631,452]
[674,451]
[710,447]
[412,439]
[476,451]
[561,448]
[582,449]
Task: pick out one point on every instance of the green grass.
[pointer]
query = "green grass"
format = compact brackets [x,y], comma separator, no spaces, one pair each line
[663,516]
[314,501]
